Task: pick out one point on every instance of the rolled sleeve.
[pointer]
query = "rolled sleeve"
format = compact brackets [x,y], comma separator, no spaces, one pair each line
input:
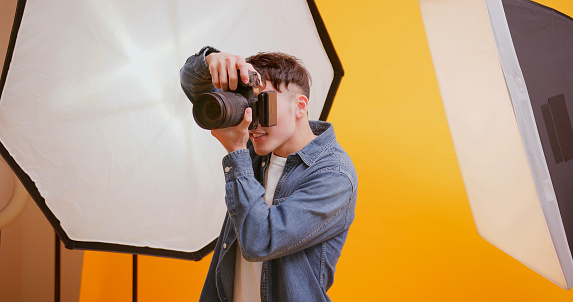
[237,164]
[195,76]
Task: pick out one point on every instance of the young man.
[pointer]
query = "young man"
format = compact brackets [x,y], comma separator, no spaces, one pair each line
[290,190]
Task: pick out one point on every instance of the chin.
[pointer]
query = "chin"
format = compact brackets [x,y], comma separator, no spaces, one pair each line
[262,152]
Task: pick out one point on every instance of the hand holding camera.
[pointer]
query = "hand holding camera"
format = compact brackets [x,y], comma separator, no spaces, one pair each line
[229,114]
[224,109]
[234,138]
[223,67]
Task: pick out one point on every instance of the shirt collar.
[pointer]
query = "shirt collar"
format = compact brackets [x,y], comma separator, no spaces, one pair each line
[325,137]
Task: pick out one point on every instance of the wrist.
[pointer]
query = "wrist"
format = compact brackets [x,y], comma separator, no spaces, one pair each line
[206,51]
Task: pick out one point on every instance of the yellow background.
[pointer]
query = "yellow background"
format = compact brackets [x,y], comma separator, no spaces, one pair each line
[413,238]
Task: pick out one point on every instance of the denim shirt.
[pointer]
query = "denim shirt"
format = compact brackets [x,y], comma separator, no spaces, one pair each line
[300,237]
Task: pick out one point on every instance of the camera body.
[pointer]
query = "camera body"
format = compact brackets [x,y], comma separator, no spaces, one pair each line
[222,109]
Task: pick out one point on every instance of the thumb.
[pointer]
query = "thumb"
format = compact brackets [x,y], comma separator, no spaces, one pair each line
[248,117]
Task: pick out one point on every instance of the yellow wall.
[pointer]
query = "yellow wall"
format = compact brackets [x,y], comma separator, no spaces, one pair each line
[414,237]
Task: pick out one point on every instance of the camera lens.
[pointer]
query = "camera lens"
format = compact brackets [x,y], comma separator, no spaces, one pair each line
[212,110]
[219,109]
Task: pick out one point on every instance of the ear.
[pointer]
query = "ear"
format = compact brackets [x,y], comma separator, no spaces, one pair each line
[301,106]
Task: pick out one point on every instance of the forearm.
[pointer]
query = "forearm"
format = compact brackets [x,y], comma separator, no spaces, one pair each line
[195,76]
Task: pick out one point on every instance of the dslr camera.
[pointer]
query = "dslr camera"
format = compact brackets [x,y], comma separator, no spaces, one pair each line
[222,109]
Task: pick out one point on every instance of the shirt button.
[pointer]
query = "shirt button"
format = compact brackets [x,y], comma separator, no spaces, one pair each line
[224,245]
[264,163]
[227,169]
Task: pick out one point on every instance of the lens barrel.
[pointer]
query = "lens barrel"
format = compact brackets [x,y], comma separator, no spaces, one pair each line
[220,109]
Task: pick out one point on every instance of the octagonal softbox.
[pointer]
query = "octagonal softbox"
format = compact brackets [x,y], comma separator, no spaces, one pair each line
[95,124]
[505,71]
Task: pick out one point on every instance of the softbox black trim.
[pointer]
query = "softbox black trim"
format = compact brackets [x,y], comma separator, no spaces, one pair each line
[332,56]
[13,34]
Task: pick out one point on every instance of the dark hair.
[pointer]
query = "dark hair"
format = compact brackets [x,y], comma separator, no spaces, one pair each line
[281,68]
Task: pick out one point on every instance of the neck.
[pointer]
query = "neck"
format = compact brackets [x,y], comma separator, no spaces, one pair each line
[302,136]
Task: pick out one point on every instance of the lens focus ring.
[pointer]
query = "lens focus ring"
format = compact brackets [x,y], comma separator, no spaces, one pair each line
[219,109]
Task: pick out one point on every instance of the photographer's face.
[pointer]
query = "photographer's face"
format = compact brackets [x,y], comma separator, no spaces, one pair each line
[280,138]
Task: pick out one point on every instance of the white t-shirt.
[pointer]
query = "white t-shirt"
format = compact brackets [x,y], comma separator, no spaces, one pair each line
[247,286]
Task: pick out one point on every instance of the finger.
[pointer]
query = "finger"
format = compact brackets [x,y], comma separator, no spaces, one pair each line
[231,70]
[233,77]
[261,85]
[248,117]
[223,76]
[214,70]
[244,73]
[251,68]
